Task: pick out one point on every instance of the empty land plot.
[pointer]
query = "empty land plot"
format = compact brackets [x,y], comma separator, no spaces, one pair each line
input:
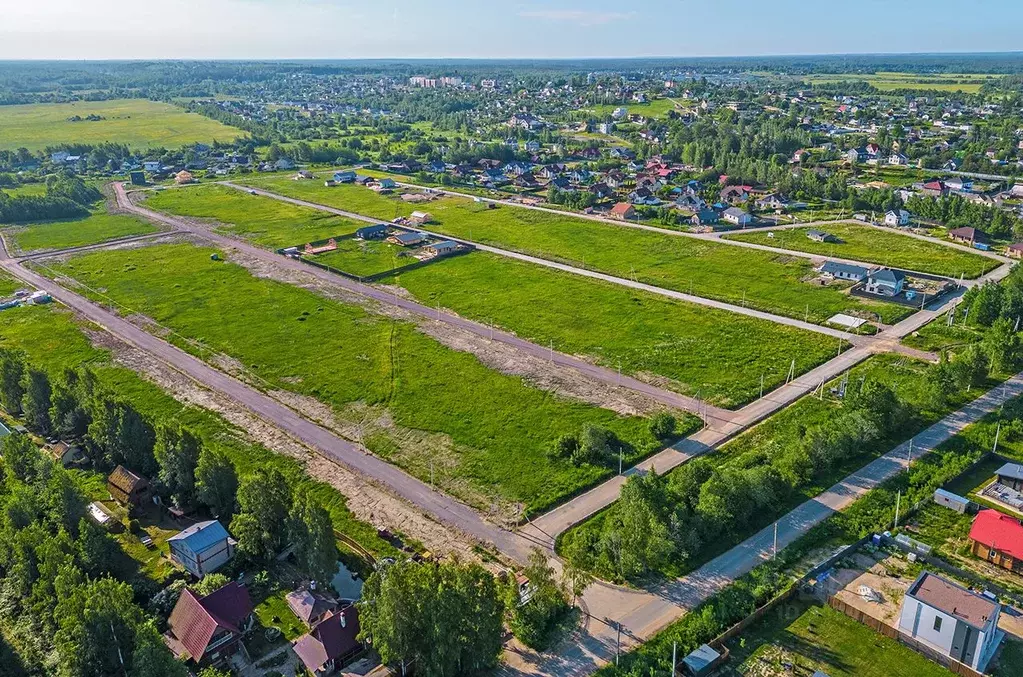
[93,229]
[481,435]
[761,280]
[717,355]
[270,223]
[874,245]
[365,258]
[139,123]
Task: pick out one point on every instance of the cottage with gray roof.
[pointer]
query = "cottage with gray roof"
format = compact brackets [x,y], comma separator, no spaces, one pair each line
[885,282]
[843,271]
[1011,475]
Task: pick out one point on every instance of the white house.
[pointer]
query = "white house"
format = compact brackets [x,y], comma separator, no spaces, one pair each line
[202,547]
[885,282]
[151,166]
[951,620]
[737,217]
[896,218]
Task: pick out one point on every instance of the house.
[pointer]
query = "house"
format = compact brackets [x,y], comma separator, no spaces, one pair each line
[998,539]
[735,194]
[1015,250]
[344,177]
[873,150]
[208,630]
[885,282]
[532,146]
[693,203]
[966,235]
[702,661]
[773,201]
[843,271]
[420,218]
[736,217]
[436,167]
[184,177]
[643,196]
[407,239]
[386,183]
[600,190]
[311,607]
[856,155]
[60,157]
[304,175]
[949,619]
[151,166]
[284,164]
[959,185]
[896,218]
[126,487]
[898,159]
[442,248]
[202,548]
[526,180]
[623,210]
[64,453]
[819,236]
[952,165]
[960,504]
[1010,475]
[332,643]
[933,189]
[137,178]
[704,217]
[372,232]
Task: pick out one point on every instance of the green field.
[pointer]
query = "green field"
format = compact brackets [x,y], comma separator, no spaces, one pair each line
[874,245]
[821,638]
[27,190]
[968,83]
[656,108]
[761,280]
[139,123]
[481,435]
[717,355]
[52,339]
[97,227]
[271,223]
[367,257]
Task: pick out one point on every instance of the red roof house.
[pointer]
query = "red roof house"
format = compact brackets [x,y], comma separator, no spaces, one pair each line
[998,538]
[332,643]
[623,210]
[208,629]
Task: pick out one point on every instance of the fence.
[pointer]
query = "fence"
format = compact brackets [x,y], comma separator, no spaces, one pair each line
[351,543]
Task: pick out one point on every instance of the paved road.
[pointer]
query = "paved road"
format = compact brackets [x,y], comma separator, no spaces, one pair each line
[625,282]
[714,416]
[643,613]
[439,505]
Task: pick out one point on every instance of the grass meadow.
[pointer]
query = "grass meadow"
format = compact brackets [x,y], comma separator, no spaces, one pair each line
[139,123]
[716,355]
[874,245]
[761,280]
[481,435]
[99,226]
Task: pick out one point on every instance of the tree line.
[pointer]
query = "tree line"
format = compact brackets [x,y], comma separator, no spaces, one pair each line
[66,197]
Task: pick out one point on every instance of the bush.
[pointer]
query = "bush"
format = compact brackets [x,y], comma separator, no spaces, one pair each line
[564,447]
[663,425]
[134,526]
[597,446]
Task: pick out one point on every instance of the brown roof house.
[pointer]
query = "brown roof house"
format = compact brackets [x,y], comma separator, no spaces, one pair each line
[311,607]
[1015,250]
[208,630]
[967,235]
[624,211]
[127,488]
[332,643]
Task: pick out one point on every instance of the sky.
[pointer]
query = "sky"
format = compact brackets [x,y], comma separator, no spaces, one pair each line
[338,29]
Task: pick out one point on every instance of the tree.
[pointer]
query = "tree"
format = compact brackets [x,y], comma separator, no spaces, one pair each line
[151,657]
[663,425]
[261,524]
[67,414]
[314,535]
[177,451]
[216,483]
[597,445]
[970,367]
[210,583]
[1001,345]
[533,620]
[21,456]
[444,617]
[36,401]
[12,369]
[635,536]
[564,447]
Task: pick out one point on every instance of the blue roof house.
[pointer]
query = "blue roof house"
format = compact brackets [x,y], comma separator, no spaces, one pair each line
[202,548]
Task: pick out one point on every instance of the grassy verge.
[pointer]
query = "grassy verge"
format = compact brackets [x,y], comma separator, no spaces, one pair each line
[438,413]
[761,280]
[93,229]
[874,245]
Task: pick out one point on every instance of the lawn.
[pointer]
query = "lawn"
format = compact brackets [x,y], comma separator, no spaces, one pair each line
[51,338]
[880,246]
[761,280]
[271,223]
[99,226]
[139,123]
[787,428]
[435,412]
[821,638]
[367,257]
[937,335]
[717,355]
[656,108]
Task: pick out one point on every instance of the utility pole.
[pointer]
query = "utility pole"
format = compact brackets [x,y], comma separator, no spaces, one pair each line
[898,504]
[761,386]
[775,553]
[998,431]
[618,643]
[619,459]
[909,454]
[674,654]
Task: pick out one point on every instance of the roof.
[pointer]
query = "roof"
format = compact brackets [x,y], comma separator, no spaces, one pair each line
[735,211]
[834,268]
[201,536]
[446,244]
[126,480]
[888,275]
[816,233]
[409,238]
[998,531]
[952,599]
[333,638]
[1013,470]
[372,229]
[700,658]
[1016,246]
[621,208]
[308,604]
[966,232]
[195,620]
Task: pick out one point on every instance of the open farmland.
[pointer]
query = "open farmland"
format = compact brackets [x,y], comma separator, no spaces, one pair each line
[761,280]
[139,123]
[880,246]
[97,227]
[270,223]
[713,354]
[438,413]
[968,83]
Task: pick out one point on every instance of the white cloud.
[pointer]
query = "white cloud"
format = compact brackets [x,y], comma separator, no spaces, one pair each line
[580,17]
